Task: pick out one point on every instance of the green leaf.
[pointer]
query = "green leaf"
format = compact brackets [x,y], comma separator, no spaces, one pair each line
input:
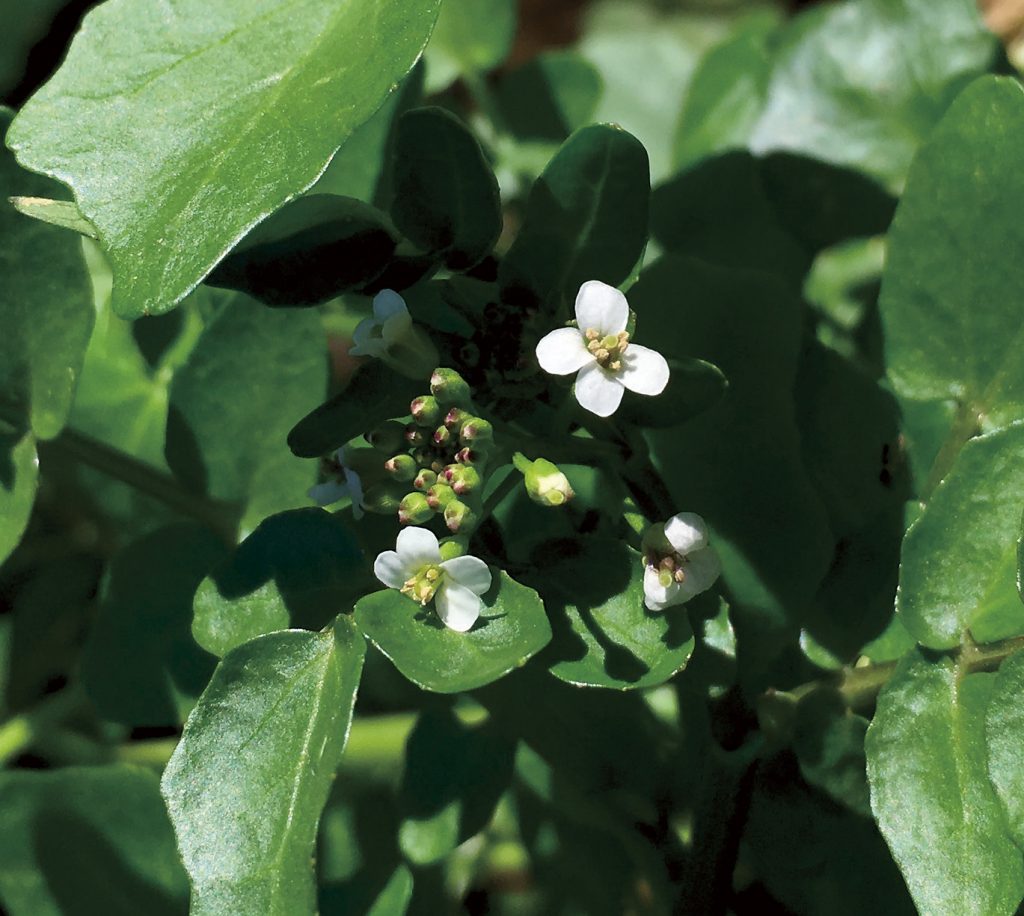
[512,628]
[252,372]
[297,569]
[1004,734]
[394,899]
[89,841]
[959,565]
[453,778]
[147,605]
[445,195]
[739,463]
[246,785]
[19,474]
[826,102]
[45,304]
[604,635]
[586,219]
[61,213]
[693,387]
[311,250]
[931,793]
[375,393]
[946,268]
[471,37]
[153,120]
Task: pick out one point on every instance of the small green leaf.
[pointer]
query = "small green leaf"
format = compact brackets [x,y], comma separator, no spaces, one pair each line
[246,785]
[512,628]
[931,793]
[147,605]
[19,473]
[310,250]
[604,635]
[1004,733]
[471,37]
[394,899]
[586,219]
[297,569]
[140,103]
[87,840]
[959,565]
[946,268]
[445,195]
[453,777]
[45,308]
[61,213]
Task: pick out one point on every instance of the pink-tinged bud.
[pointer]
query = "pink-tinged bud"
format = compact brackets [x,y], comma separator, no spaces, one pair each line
[459,518]
[414,509]
[455,417]
[465,479]
[425,479]
[442,436]
[416,437]
[476,432]
[466,456]
[439,495]
[449,387]
[425,410]
[401,468]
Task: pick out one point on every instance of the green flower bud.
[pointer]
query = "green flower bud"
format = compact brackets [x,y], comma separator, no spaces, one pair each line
[545,483]
[442,436]
[452,547]
[449,387]
[425,410]
[476,432]
[401,468]
[439,495]
[414,509]
[425,479]
[467,456]
[455,417]
[382,499]
[459,518]
[464,479]
[388,437]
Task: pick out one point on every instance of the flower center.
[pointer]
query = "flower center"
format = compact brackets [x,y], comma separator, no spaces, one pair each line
[671,568]
[607,348]
[424,584]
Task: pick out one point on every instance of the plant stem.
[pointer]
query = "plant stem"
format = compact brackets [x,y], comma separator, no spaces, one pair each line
[966,425]
[20,732]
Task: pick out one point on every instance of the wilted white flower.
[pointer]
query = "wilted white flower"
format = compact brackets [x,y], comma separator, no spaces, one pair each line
[416,569]
[600,351]
[390,335]
[331,491]
[679,563]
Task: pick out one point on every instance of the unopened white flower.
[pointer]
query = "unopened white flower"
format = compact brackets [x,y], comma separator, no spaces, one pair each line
[679,563]
[416,569]
[600,351]
[331,491]
[391,336]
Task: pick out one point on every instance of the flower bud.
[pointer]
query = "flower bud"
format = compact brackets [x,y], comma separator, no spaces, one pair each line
[449,387]
[459,517]
[545,483]
[476,432]
[455,417]
[401,468]
[425,479]
[464,479]
[388,437]
[414,509]
[425,410]
[381,499]
[415,437]
[442,436]
[452,547]
[439,495]
[466,456]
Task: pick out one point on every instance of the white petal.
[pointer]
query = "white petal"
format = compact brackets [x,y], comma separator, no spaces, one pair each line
[644,371]
[657,597]
[324,494]
[470,572]
[601,306]
[563,351]
[702,571]
[598,391]
[355,488]
[685,532]
[366,340]
[417,547]
[396,328]
[392,570]
[457,606]
[387,303]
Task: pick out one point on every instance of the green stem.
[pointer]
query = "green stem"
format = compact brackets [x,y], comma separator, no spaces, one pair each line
[21,732]
[966,426]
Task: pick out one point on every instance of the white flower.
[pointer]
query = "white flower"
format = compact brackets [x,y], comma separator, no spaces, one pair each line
[330,491]
[679,563]
[391,336]
[599,349]
[416,569]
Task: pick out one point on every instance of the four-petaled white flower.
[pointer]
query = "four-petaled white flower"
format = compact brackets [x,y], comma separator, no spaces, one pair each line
[416,569]
[330,491]
[600,351]
[679,563]
[391,336]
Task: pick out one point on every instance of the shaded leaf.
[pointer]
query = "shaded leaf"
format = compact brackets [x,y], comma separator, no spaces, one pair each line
[19,473]
[471,36]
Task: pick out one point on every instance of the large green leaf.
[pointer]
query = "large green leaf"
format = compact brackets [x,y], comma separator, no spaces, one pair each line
[246,785]
[947,270]
[511,628]
[147,608]
[251,374]
[586,219]
[89,841]
[45,307]
[931,793]
[1004,732]
[862,83]
[299,568]
[178,130]
[19,473]
[604,635]
[959,566]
